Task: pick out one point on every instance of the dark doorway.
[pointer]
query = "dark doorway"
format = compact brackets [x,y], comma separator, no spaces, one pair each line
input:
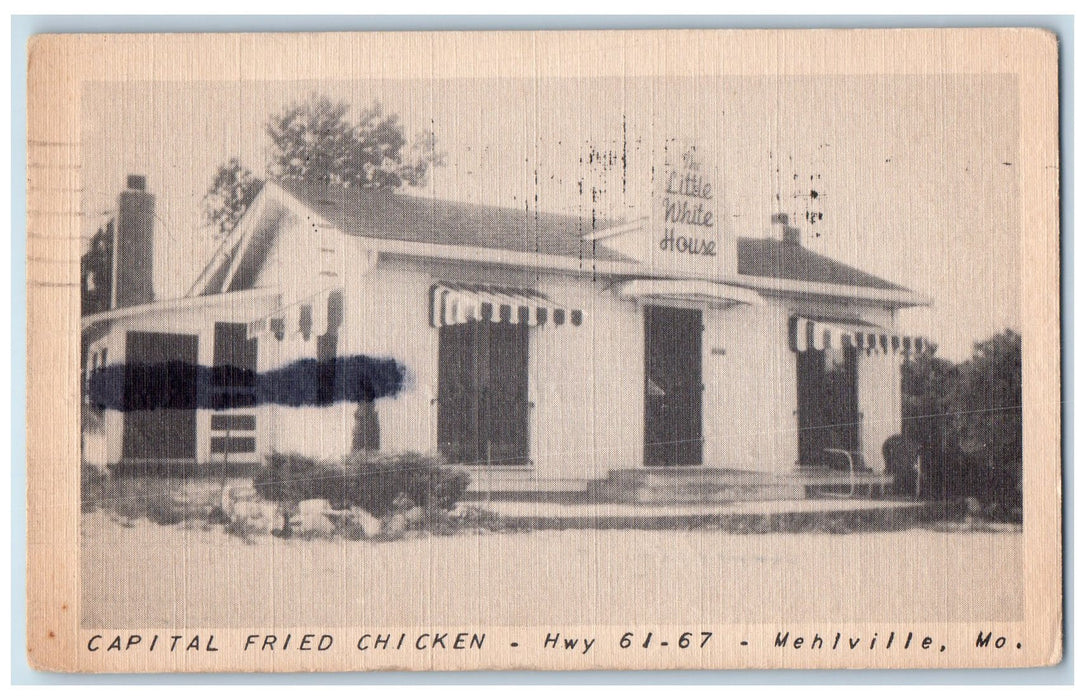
[160,370]
[482,415]
[672,386]
[828,403]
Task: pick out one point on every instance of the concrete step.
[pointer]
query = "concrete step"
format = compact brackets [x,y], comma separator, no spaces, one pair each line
[831,515]
[694,485]
[715,493]
[720,485]
[709,481]
[699,475]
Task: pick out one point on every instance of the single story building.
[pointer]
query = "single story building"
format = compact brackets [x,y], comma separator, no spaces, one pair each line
[544,352]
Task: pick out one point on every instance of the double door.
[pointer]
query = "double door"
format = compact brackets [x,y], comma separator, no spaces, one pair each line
[483,407]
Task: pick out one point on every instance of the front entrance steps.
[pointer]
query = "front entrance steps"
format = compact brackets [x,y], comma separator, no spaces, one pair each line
[672,485]
[829,515]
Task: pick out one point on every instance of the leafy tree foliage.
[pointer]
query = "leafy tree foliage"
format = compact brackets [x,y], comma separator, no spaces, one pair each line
[319,140]
[232,190]
[988,401]
[96,271]
[965,420]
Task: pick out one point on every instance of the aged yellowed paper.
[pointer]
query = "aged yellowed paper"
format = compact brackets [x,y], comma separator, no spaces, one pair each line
[544,350]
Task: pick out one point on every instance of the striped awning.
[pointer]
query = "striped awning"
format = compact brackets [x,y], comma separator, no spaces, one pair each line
[820,334]
[452,304]
[310,318]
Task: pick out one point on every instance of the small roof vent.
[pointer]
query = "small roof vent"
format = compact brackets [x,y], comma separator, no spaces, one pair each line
[788,233]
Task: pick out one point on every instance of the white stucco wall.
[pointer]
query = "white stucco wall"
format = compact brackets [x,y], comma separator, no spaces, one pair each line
[879,404]
[586,383]
[750,400]
[314,431]
[305,259]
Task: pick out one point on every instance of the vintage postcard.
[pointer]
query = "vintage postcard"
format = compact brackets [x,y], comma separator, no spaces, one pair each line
[544,350]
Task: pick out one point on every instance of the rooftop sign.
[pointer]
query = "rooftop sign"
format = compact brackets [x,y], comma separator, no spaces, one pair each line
[684,222]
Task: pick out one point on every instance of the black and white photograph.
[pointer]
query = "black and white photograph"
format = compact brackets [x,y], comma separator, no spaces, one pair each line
[407,366]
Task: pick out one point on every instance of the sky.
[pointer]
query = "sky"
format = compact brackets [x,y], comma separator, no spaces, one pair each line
[916,176]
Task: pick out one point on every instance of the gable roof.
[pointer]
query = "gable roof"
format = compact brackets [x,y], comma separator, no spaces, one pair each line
[382,214]
[392,216]
[771,257]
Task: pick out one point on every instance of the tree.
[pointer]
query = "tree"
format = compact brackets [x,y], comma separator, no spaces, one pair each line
[988,402]
[233,189]
[966,421]
[927,389]
[96,272]
[317,140]
[927,383]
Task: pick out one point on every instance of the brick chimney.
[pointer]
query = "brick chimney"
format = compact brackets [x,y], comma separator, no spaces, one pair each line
[133,251]
[788,234]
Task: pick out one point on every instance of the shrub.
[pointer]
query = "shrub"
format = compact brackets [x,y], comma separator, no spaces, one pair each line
[954,475]
[93,481]
[900,462]
[162,500]
[369,480]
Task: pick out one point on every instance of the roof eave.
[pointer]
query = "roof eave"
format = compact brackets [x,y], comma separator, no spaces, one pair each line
[895,298]
[609,268]
[178,304]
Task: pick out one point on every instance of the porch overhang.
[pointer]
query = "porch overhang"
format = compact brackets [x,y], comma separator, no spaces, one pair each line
[714,293]
[242,304]
[310,317]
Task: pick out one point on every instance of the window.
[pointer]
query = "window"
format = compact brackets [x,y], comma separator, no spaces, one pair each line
[233,377]
[326,346]
[327,350]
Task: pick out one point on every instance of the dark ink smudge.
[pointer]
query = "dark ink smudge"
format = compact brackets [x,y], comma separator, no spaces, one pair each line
[181,385]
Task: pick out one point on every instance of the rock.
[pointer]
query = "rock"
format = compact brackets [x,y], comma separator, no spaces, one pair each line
[254,517]
[362,521]
[311,524]
[973,505]
[235,494]
[314,506]
[415,516]
[396,524]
